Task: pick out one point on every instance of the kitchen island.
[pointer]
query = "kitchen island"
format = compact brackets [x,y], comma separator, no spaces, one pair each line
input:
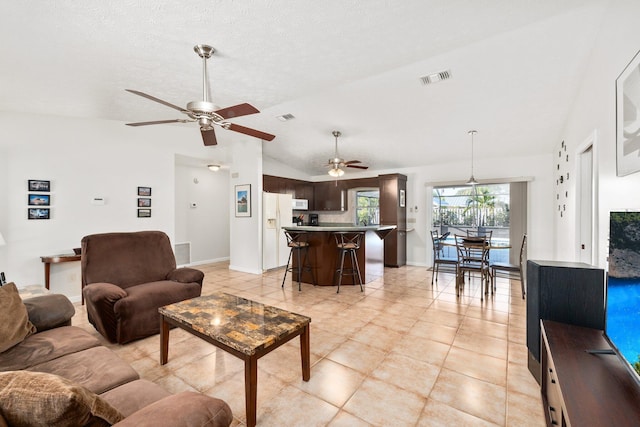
[323,252]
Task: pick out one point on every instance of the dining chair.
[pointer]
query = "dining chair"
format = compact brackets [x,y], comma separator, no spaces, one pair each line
[439,259]
[510,271]
[473,258]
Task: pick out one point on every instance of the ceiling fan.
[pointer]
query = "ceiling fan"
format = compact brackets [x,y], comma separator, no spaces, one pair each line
[204,112]
[337,164]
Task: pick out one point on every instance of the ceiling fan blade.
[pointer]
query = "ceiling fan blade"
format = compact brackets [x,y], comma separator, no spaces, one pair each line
[350,162]
[237,111]
[153,98]
[158,122]
[251,132]
[209,137]
[358,167]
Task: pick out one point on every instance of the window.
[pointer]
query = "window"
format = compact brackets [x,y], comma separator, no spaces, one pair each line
[368,207]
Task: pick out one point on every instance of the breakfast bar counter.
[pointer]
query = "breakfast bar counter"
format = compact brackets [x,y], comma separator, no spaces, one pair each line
[323,252]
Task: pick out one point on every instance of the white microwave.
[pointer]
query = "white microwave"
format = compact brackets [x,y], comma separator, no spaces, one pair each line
[300,204]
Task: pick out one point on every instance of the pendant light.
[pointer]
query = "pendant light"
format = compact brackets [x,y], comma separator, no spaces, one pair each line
[335,170]
[472,180]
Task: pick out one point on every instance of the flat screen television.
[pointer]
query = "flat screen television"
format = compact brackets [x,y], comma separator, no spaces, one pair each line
[622,327]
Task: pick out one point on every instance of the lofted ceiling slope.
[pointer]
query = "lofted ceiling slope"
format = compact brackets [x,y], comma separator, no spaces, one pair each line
[351,65]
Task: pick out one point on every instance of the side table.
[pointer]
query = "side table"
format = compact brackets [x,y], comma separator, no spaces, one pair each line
[56,259]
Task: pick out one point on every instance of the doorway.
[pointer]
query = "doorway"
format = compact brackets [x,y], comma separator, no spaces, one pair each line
[586,203]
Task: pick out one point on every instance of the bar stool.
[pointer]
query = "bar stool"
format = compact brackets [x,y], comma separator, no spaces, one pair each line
[348,243]
[298,242]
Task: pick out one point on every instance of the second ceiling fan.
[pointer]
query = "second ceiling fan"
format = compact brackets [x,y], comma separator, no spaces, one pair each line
[205,112]
[337,164]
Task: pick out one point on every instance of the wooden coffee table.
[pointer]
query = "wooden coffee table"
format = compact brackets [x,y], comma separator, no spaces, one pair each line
[247,329]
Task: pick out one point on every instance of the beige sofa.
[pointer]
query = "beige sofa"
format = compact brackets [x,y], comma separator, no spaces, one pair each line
[91,373]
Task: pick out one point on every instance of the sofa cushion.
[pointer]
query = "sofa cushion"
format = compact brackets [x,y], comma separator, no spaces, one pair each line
[187,408]
[134,395]
[98,369]
[39,399]
[45,346]
[14,319]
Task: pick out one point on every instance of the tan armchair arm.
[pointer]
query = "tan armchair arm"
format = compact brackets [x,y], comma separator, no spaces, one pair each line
[49,311]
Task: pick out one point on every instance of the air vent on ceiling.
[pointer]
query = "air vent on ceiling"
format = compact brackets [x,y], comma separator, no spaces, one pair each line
[285,117]
[436,77]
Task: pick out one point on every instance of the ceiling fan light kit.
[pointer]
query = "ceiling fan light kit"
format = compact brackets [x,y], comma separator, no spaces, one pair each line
[338,164]
[204,112]
[214,168]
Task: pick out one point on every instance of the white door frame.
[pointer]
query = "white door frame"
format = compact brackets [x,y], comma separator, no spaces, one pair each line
[589,143]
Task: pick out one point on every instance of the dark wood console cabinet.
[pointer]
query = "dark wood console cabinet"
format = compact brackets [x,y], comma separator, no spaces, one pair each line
[580,388]
[566,292]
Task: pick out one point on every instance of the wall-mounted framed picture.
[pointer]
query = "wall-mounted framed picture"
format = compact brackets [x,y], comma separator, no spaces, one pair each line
[38,213]
[628,118]
[144,191]
[144,202]
[403,200]
[243,200]
[144,213]
[39,199]
[39,185]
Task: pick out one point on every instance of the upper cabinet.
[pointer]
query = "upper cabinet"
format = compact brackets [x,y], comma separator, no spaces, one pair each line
[330,196]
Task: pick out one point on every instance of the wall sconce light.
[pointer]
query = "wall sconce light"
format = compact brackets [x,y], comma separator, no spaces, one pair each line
[214,168]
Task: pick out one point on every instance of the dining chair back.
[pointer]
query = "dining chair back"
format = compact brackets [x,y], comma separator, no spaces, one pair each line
[473,258]
[439,260]
[511,271]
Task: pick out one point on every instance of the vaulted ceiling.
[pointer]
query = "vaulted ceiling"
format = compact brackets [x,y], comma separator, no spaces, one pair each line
[351,65]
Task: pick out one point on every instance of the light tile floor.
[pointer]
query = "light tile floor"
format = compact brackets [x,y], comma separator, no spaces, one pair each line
[401,353]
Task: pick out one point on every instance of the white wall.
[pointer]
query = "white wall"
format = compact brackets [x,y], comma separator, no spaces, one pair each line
[594,111]
[246,232]
[206,226]
[83,159]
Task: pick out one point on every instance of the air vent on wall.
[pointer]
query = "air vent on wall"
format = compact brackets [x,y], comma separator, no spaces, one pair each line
[436,77]
[285,117]
[183,253]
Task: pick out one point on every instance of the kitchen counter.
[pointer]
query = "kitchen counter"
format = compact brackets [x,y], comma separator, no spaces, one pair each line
[323,253]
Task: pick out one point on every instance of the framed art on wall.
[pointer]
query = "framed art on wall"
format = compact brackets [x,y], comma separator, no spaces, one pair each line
[39,199]
[144,191]
[144,213]
[144,202]
[38,213]
[39,185]
[628,118]
[243,200]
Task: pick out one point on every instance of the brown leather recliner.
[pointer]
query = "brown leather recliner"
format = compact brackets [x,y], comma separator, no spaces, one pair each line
[126,277]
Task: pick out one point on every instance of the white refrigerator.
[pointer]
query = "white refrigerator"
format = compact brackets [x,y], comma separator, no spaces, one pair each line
[277,212]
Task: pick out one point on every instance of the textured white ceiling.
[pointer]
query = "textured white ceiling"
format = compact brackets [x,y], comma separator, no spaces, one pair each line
[337,64]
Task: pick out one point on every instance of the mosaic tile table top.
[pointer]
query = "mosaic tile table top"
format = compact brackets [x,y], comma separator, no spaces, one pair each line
[244,325]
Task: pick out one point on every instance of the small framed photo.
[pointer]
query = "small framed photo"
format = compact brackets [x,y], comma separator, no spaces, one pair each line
[243,200]
[39,185]
[144,191]
[403,201]
[144,213]
[144,202]
[39,199]
[38,213]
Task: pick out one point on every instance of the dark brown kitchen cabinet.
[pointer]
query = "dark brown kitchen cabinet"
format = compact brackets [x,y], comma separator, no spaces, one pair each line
[330,196]
[393,211]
